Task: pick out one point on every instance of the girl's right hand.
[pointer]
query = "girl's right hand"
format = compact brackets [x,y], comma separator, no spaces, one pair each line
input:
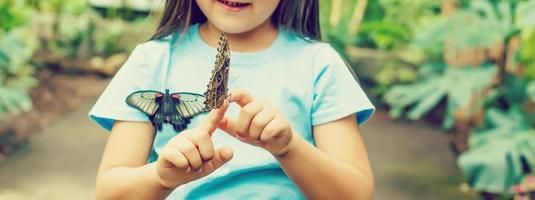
[190,155]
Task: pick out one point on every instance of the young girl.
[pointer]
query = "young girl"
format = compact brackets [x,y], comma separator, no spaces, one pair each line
[288,131]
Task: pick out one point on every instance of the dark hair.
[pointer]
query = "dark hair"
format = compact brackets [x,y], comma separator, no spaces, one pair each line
[299,16]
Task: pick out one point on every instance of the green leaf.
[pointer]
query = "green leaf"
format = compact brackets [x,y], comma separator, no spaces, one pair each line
[449,120]
[426,104]
[530,90]
[406,95]
[525,17]
[457,84]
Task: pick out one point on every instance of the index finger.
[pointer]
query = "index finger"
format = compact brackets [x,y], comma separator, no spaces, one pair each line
[211,122]
[241,97]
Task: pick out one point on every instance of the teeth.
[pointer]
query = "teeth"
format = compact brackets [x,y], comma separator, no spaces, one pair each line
[233,4]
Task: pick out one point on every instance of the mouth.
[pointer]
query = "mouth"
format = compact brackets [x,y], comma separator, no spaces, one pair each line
[233,5]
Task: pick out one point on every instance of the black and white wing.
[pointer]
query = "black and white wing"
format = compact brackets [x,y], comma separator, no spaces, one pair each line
[145,101]
[190,104]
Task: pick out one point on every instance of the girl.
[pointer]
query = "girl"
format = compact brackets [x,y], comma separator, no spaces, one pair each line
[288,130]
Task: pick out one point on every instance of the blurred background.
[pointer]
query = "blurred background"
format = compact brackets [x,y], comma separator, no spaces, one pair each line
[453,80]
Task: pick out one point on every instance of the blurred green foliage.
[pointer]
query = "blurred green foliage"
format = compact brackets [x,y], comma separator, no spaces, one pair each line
[13,14]
[482,24]
[527,54]
[468,89]
[387,24]
[394,22]
[492,163]
[464,66]
[454,84]
[17,46]
[39,33]
[16,74]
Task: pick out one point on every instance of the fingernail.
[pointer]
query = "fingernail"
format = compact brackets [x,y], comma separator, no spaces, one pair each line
[199,170]
[188,169]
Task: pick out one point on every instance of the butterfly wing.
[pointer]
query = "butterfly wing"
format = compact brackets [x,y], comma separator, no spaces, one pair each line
[145,100]
[217,88]
[178,122]
[189,104]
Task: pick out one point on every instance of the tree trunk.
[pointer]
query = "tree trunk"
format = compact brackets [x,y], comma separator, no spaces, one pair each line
[336,11]
[356,19]
[447,9]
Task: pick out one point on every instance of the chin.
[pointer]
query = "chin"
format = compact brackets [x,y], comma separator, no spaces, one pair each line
[234,27]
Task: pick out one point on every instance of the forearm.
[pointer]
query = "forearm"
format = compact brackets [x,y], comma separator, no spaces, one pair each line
[130,183]
[320,176]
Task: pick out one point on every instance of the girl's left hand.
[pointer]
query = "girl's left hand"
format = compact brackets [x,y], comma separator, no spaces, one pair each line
[260,124]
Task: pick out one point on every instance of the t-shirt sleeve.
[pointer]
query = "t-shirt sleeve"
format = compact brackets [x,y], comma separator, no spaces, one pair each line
[337,93]
[111,105]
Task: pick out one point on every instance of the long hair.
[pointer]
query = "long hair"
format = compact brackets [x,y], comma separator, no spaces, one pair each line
[299,16]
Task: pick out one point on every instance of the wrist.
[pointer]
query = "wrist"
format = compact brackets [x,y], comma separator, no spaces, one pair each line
[291,147]
[156,180]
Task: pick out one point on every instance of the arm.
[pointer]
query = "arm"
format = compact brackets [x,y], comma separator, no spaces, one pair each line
[190,155]
[338,168]
[124,167]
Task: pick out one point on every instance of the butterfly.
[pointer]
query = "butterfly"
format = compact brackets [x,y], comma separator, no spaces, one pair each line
[218,85]
[178,108]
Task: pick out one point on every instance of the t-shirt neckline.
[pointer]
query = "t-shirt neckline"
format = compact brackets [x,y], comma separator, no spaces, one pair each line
[237,57]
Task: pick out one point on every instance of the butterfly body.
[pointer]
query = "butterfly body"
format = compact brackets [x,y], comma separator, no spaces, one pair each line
[167,113]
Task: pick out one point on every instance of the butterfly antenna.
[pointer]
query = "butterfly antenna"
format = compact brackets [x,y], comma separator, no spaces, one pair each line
[233,79]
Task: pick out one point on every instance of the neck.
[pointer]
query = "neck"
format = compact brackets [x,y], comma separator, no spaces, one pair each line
[257,39]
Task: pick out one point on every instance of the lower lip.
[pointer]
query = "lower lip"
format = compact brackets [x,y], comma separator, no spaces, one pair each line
[233,9]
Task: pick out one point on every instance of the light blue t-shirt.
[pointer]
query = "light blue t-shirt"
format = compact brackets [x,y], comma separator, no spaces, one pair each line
[307,81]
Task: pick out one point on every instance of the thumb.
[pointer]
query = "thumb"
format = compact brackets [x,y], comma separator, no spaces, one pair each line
[221,156]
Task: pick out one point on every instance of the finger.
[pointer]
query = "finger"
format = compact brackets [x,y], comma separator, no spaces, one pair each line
[210,123]
[190,151]
[222,156]
[172,156]
[228,125]
[241,97]
[273,129]
[247,113]
[260,121]
[205,147]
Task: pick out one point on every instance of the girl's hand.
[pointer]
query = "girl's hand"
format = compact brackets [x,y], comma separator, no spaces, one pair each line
[260,124]
[191,155]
